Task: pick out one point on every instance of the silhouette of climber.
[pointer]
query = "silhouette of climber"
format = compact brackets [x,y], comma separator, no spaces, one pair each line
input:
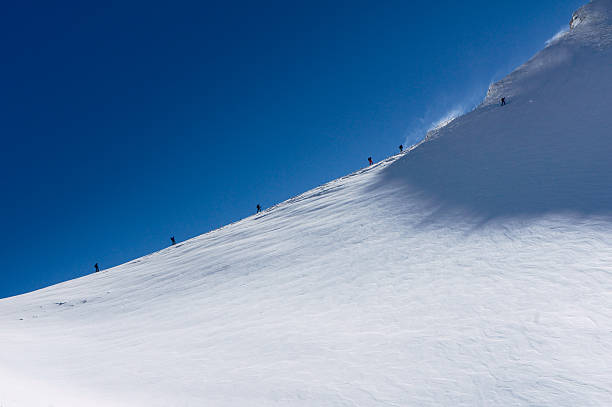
[258,208]
[173,241]
[401,147]
[370,160]
[503,101]
[97,268]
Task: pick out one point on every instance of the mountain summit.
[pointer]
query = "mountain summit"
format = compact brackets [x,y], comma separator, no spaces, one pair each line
[547,150]
[473,269]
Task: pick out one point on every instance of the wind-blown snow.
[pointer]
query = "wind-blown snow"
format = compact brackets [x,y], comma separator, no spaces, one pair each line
[560,34]
[474,269]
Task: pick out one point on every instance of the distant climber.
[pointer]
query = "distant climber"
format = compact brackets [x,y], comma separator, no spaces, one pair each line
[97,267]
[370,160]
[401,147]
[258,208]
[172,239]
[503,101]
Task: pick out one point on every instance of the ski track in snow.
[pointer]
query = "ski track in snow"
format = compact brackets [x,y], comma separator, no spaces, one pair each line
[473,270]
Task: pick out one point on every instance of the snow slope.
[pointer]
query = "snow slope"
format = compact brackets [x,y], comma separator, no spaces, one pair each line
[474,269]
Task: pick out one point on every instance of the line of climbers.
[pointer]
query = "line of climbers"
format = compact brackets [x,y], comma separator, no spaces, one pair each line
[401,149]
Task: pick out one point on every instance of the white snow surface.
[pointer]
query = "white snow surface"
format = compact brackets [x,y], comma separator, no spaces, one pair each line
[473,270]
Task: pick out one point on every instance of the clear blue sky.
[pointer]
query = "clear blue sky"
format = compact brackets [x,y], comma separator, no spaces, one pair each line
[125,123]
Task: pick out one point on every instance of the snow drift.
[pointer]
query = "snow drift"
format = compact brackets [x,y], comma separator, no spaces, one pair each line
[474,269]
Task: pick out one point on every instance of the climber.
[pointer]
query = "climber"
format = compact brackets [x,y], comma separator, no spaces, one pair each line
[503,101]
[172,239]
[97,268]
[370,160]
[258,208]
[401,147]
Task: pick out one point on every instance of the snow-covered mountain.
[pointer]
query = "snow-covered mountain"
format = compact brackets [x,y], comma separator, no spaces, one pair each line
[474,269]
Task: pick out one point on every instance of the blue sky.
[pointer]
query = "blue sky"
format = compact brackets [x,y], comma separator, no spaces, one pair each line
[126,123]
